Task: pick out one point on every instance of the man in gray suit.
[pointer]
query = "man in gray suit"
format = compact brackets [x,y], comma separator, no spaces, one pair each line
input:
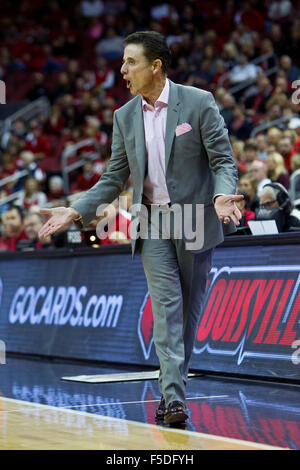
[171,139]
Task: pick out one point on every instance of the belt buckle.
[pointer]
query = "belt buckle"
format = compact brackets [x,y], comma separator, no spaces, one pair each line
[167,205]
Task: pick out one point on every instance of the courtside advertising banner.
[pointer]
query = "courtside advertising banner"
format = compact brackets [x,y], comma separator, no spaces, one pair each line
[97,307]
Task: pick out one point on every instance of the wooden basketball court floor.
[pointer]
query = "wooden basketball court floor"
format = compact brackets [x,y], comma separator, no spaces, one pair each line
[39,411]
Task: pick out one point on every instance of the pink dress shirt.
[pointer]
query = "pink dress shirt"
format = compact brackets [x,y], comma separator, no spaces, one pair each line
[155,119]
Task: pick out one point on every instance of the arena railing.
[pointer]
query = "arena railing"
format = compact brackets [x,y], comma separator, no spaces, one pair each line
[35,108]
[70,151]
[274,123]
[10,179]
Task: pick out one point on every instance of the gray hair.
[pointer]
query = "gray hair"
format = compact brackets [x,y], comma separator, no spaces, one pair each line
[269,190]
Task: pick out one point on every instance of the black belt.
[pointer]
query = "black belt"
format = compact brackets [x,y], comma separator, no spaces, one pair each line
[167,205]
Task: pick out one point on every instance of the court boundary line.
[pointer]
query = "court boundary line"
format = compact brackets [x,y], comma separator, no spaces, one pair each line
[145,425]
[146,401]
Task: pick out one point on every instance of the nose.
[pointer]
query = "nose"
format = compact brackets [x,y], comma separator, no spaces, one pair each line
[123,69]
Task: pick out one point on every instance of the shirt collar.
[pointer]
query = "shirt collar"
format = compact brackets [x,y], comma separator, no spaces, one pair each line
[161,101]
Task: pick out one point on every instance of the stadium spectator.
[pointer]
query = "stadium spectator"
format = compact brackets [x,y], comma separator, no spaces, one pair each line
[8,168]
[243,71]
[279,9]
[37,142]
[250,153]
[238,152]
[32,225]
[56,194]
[259,171]
[39,89]
[273,136]
[227,103]
[285,148]
[111,46]
[104,75]
[295,180]
[92,131]
[275,204]
[31,194]
[64,86]
[241,126]
[261,143]
[295,162]
[292,71]
[251,17]
[55,124]
[92,8]
[13,228]
[294,125]
[255,99]
[277,170]
[244,207]
[18,129]
[247,184]
[87,179]
[26,161]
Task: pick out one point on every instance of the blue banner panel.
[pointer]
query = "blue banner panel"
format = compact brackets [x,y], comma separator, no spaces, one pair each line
[97,307]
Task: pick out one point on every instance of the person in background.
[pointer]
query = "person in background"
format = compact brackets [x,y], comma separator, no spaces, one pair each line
[244,207]
[275,204]
[277,170]
[13,228]
[247,184]
[32,225]
[37,142]
[240,126]
[273,136]
[295,162]
[250,153]
[285,148]
[32,194]
[87,178]
[56,193]
[261,143]
[259,172]
[238,153]
[27,161]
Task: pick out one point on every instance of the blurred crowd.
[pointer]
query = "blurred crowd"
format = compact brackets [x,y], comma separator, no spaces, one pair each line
[245,52]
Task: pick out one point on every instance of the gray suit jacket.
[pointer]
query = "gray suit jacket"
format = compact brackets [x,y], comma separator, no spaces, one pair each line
[199,164]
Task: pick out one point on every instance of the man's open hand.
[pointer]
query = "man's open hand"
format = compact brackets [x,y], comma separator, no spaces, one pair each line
[226,208]
[60,218]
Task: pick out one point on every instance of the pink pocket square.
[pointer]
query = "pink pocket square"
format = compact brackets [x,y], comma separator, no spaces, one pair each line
[183,128]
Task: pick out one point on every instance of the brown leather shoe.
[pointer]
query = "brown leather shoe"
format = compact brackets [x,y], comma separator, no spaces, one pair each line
[161,409]
[175,413]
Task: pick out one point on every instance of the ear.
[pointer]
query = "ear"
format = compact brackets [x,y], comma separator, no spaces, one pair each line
[157,65]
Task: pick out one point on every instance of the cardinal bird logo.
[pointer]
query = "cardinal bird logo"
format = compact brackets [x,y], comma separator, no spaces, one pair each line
[145,326]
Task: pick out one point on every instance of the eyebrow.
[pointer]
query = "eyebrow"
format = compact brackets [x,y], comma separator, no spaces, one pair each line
[127,58]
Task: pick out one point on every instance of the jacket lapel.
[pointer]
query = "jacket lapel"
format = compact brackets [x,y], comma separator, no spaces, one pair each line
[173,115]
[140,145]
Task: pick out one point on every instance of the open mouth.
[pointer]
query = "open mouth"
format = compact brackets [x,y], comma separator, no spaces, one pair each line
[128,83]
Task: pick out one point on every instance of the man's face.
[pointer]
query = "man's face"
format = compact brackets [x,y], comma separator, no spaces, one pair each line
[136,70]
[250,155]
[267,201]
[13,221]
[285,146]
[245,186]
[257,172]
[260,142]
[32,226]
